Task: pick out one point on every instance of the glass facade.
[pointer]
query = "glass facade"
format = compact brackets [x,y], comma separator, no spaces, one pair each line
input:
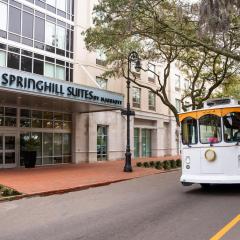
[146,143]
[136,142]
[36,29]
[27,61]
[102,142]
[52,130]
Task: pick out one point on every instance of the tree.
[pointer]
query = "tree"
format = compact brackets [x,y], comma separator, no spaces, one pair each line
[149,27]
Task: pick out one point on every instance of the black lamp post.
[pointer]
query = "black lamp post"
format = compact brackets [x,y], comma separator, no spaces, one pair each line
[132,57]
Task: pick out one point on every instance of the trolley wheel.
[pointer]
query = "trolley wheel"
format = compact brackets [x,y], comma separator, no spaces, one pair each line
[205,186]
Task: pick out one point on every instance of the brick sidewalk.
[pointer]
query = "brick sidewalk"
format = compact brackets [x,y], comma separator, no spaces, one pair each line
[64,178]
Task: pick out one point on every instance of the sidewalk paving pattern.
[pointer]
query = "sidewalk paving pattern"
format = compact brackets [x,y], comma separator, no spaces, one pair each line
[57,179]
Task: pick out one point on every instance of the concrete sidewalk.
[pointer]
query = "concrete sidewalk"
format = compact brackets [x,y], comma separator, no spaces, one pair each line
[70,177]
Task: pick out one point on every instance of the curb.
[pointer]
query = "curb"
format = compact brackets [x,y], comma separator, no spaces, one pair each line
[78,188]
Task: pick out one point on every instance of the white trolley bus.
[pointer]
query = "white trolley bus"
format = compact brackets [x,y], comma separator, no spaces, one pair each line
[211,143]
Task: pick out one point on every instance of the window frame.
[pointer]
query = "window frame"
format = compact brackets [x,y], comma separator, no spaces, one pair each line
[196,131]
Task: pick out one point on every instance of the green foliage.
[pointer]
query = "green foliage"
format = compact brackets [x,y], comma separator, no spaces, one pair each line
[166,165]
[6,192]
[158,165]
[151,163]
[146,164]
[30,144]
[162,31]
[139,164]
[173,163]
[179,162]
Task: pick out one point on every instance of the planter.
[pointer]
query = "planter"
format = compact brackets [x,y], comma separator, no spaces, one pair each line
[30,158]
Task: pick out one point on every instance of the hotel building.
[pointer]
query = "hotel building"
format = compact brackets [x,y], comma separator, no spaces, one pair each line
[51,89]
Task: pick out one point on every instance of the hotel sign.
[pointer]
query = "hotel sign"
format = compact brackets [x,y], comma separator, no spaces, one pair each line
[30,83]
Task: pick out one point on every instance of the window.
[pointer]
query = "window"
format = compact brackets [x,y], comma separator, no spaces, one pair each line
[3,16]
[189,131]
[27,26]
[152,70]
[100,57]
[52,2]
[38,67]
[177,82]
[26,64]
[60,73]
[60,37]
[14,20]
[101,82]
[136,142]
[13,60]
[8,117]
[49,70]
[39,29]
[136,97]
[210,129]
[151,101]
[50,34]
[2,59]
[102,143]
[146,142]
[61,4]
[231,123]
[178,105]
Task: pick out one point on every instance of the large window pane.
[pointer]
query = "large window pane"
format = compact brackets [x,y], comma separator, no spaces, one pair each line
[67,144]
[52,2]
[210,129]
[60,37]
[27,26]
[47,144]
[38,67]
[39,29]
[189,131]
[60,73]
[50,34]
[61,4]
[26,64]
[57,144]
[2,59]
[49,70]
[13,60]
[14,20]
[3,16]
[231,124]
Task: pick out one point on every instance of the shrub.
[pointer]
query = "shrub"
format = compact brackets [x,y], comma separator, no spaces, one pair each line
[151,163]
[146,164]
[166,165]
[173,163]
[6,192]
[178,162]
[158,165]
[139,164]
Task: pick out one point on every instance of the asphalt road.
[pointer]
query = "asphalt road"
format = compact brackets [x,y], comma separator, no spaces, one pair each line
[149,208]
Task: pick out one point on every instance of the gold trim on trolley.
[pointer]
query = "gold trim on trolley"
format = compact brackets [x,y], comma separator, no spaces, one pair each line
[199,113]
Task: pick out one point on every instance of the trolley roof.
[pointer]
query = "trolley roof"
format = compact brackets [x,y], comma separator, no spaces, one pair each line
[219,107]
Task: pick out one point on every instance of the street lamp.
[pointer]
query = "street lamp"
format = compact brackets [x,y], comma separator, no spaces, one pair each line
[132,57]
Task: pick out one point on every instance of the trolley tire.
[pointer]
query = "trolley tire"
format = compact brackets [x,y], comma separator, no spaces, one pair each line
[205,186]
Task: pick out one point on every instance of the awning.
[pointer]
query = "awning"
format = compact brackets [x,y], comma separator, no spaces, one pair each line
[34,91]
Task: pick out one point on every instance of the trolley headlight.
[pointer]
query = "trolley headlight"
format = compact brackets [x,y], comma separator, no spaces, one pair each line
[210,155]
[187,160]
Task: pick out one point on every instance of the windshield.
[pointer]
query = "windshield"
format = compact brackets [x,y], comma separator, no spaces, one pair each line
[189,131]
[210,129]
[231,123]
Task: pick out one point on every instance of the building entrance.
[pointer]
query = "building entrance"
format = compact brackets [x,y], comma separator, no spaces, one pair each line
[8,150]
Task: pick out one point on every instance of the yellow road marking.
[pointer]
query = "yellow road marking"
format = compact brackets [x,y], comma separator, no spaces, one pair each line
[225,229]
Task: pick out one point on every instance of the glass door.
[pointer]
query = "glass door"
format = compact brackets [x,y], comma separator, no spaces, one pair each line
[146,143]
[7,150]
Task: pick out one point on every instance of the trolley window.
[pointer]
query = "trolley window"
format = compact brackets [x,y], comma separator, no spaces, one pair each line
[210,129]
[231,123]
[189,131]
